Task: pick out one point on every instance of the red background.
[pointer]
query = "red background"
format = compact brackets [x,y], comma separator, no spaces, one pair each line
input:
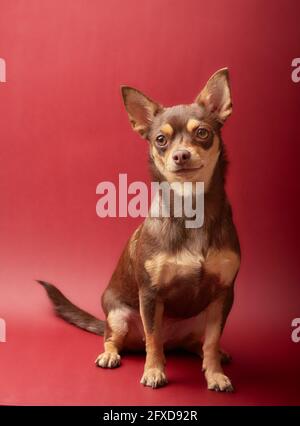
[63,130]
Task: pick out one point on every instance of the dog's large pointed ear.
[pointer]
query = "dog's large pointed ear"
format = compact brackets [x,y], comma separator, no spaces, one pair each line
[216,96]
[141,110]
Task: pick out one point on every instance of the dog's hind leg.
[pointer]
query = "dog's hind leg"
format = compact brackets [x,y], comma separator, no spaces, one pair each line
[226,358]
[196,348]
[115,333]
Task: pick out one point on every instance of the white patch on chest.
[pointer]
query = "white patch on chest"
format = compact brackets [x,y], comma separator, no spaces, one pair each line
[163,267]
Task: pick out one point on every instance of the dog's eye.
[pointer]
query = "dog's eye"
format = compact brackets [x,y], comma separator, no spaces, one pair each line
[161,140]
[202,133]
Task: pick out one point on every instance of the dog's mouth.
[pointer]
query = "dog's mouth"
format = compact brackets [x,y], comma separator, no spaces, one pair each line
[184,170]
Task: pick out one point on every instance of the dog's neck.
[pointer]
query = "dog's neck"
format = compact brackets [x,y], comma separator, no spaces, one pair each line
[172,231]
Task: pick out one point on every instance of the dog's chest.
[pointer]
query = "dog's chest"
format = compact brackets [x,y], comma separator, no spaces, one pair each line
[165,267]
[180,281]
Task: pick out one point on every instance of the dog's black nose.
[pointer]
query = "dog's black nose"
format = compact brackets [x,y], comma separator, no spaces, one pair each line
[181,156]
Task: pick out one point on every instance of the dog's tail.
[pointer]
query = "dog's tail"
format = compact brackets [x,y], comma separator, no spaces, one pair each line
[71,313]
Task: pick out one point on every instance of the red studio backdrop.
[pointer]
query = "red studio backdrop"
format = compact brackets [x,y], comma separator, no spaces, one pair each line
[63,130]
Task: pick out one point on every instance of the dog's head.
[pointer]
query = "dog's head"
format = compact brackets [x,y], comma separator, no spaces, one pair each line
[185,140]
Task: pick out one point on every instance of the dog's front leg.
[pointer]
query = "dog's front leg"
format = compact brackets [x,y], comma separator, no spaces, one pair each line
[217,313]
[151,310]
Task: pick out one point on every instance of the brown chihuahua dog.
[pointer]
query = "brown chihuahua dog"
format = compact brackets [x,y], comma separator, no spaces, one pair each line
[173,286]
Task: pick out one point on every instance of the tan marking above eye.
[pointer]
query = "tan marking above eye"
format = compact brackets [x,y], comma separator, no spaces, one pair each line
[192,124]
[167,129]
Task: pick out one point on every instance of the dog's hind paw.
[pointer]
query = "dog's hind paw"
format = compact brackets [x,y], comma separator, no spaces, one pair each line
[154,378]
[108,360]
[225,357]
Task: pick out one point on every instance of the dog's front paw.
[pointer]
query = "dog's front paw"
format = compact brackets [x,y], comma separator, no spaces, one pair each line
[218,382]
[108,360]
[154,377]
